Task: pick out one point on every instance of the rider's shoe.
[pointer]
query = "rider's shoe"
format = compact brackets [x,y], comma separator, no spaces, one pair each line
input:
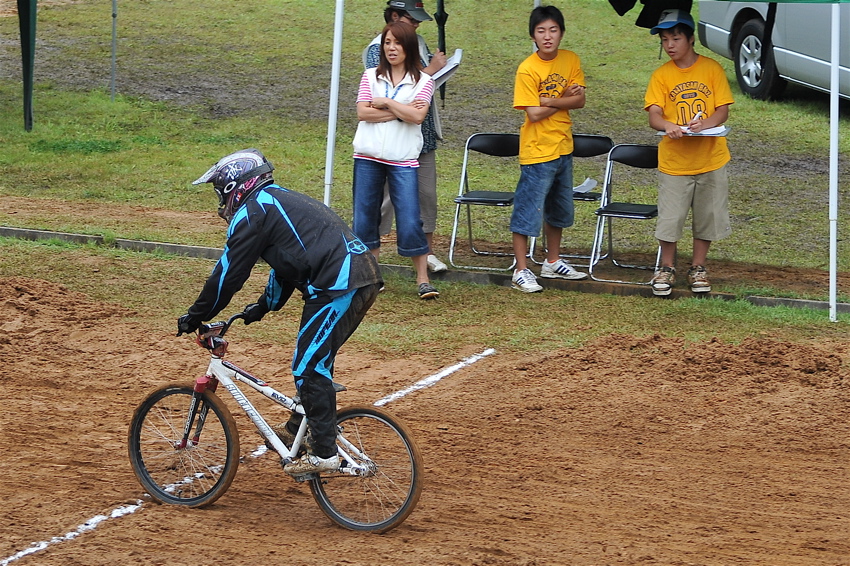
[312,464]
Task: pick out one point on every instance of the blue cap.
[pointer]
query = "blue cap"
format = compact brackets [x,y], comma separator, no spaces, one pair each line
[670,18]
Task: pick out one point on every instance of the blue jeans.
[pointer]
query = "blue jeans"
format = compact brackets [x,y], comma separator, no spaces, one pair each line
[369,178]
[544,191]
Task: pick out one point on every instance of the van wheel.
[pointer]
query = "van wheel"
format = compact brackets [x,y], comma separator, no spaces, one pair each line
[755,68]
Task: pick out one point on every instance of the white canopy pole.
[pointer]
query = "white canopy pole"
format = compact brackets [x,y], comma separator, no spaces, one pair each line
[336,66]
[833,164]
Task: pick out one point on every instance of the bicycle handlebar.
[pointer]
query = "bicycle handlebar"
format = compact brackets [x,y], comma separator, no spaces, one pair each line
[222,326]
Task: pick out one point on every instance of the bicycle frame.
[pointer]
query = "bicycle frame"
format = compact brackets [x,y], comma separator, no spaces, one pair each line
[227,374]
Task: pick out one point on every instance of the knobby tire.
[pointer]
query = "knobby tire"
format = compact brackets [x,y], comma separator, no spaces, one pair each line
[196,475]
[383,499]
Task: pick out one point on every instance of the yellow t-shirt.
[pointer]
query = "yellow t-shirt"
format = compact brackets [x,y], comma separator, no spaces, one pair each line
[551,137]
[681,93]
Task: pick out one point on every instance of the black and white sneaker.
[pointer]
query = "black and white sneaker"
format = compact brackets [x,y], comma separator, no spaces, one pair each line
[525,281]
[561,269]
[427,291]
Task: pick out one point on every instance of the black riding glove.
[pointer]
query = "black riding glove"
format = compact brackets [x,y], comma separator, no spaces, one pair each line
[186,325]
[255,312]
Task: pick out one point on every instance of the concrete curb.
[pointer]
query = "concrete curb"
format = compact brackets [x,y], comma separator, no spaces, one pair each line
[502,279]
[133,245]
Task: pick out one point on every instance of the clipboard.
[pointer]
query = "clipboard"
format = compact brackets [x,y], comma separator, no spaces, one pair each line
[452,63]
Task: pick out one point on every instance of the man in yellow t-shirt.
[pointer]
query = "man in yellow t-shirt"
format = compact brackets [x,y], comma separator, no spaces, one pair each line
[687,95]
[549,83]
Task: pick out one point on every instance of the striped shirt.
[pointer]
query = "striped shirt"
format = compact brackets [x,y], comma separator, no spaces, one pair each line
[403,92]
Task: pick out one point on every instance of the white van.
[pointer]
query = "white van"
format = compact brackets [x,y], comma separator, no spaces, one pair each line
[801,44]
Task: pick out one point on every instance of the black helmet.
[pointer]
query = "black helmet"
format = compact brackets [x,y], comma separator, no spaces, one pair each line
[235,177]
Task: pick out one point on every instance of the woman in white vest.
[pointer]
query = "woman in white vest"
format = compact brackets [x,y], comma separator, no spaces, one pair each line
[413,12]
[392,102]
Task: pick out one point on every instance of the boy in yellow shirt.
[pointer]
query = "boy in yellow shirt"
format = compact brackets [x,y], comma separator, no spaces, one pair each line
[549,83]
[688,91]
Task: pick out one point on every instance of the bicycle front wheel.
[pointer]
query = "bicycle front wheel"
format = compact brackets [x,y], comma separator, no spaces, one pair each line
[193,473]
[379,487]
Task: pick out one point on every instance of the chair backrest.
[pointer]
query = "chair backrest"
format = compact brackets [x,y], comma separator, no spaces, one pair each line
[494,145]
[590,145]
[635,155]
[500,145]
[641,156]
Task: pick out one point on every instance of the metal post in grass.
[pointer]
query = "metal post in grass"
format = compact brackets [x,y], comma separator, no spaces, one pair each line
[114,46]
[336,66]
[833,164]
[26,22]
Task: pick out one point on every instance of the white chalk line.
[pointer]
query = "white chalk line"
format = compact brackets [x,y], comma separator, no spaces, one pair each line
[431,380]
[89,525]
[92,523]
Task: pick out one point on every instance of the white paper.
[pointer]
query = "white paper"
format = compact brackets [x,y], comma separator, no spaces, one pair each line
[717,131]
[585,186]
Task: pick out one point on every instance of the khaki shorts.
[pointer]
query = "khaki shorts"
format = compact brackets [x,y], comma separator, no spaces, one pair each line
[706,195]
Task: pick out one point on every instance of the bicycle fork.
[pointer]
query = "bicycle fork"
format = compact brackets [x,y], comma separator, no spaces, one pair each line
[197,409]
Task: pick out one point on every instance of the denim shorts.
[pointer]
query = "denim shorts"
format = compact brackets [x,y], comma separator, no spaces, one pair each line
[544,192]
[369,179]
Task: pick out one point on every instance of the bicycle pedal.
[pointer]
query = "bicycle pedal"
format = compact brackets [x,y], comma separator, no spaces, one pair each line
[301,478]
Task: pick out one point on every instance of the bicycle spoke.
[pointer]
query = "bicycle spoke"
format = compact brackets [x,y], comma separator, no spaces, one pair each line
[382,484]
[195,474]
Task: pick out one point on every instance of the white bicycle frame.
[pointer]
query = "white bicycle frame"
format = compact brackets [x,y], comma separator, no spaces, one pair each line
[228,374]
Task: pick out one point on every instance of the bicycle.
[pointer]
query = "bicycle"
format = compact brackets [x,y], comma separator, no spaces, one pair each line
[184,446]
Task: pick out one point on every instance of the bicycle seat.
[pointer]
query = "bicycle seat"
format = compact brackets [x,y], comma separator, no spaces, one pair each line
[338,388]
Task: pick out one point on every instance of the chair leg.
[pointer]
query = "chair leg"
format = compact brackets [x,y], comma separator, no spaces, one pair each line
[625,265]
[596,255]
[453,241]
[596,250]
[476,251]
[564,256]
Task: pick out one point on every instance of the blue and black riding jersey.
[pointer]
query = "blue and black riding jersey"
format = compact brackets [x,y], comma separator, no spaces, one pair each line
[307,245]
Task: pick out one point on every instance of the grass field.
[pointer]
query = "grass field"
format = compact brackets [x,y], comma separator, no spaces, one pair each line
[258,75]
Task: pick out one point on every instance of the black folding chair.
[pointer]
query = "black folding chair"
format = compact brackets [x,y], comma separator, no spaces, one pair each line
[496,146]
[620,207]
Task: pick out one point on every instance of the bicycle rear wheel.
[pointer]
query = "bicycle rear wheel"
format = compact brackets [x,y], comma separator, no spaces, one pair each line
[195,474]
[383,485]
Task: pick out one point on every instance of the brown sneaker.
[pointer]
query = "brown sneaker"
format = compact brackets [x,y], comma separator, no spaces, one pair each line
[310,464]
[662,281]
[698,279]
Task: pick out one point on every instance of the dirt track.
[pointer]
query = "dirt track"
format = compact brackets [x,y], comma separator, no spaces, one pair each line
[653,452]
